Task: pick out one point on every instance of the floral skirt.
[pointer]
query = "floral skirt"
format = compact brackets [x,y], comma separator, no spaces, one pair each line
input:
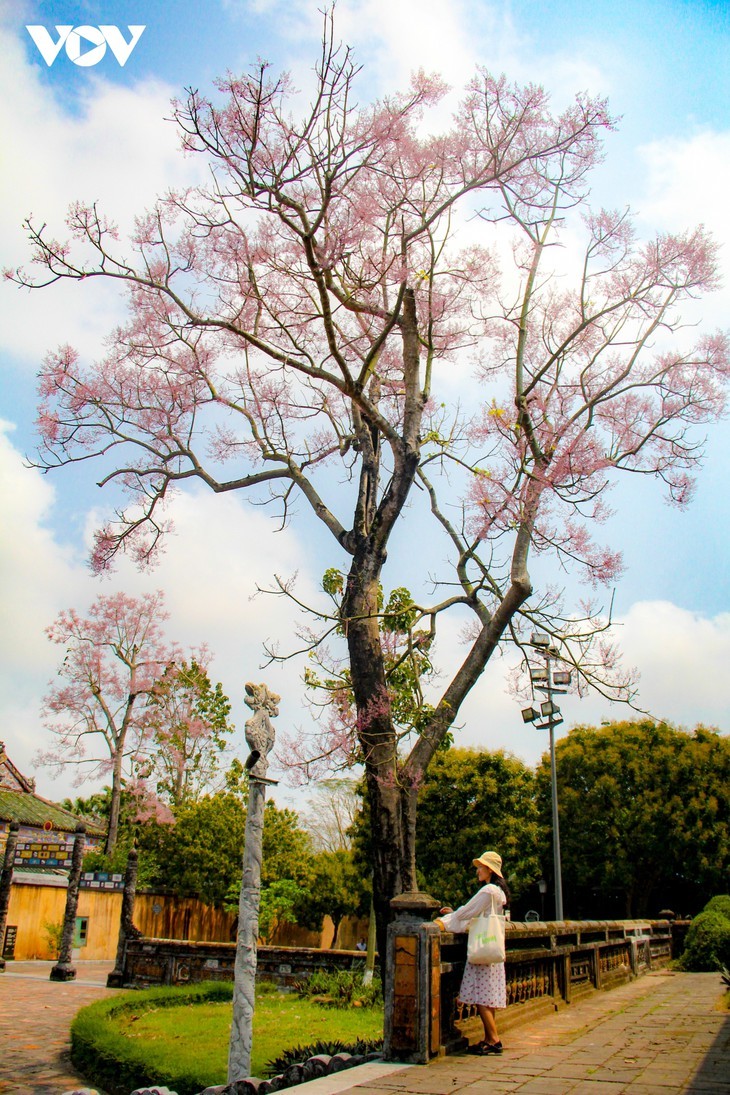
[486,985]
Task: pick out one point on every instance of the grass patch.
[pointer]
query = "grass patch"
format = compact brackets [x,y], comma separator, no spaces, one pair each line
[179,1037]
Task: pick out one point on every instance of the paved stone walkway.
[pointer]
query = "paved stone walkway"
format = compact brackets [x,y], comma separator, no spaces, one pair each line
[662,1034]
[35,1018]
[666,1033]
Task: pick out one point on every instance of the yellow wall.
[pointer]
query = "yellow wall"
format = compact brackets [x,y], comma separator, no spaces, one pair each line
[157,916]
[31,907]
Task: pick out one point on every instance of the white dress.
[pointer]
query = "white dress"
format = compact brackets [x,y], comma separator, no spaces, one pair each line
[486,985]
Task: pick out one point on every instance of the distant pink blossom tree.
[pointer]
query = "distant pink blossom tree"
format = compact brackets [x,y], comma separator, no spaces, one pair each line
[97,713]
[296,330]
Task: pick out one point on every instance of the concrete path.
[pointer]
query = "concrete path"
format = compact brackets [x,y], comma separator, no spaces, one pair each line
[663,1034]
[35,1019]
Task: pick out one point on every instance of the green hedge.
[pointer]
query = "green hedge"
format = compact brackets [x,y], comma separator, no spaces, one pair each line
[105,1057]
[707,946]
[720,903]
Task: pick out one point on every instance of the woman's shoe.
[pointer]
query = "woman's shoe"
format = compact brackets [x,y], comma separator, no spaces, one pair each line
[486,1049]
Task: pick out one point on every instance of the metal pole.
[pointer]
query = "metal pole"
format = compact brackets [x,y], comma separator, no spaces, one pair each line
[554,787]
[556,830]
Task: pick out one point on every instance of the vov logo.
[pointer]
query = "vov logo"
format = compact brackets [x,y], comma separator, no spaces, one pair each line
[85,46]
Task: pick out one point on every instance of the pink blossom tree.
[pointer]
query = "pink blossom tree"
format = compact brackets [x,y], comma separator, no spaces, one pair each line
[295,331]
[97,713]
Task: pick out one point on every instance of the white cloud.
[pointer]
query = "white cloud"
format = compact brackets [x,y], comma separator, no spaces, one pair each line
[40,575]
[219,553]
[685,183]
[683,658]
[117,149]
[681,655]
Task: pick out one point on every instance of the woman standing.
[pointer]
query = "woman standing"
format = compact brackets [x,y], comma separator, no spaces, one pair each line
[483,986]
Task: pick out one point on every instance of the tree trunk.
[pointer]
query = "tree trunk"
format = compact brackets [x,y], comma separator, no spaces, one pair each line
[391,873]
[115,804]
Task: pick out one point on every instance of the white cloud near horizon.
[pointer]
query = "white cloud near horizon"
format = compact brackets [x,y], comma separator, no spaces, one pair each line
[219,552]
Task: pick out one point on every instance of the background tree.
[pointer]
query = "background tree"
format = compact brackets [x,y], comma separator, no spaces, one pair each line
[644,818]
[337,889]
[330,813]
[472,800]
[200,854]
[311,307]
[97,808]
[188,721]
[97,713]
[278,907]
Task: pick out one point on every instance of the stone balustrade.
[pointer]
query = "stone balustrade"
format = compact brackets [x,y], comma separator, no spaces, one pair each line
[548,965]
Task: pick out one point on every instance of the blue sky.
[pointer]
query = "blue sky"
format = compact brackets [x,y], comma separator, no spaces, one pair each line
[99,132]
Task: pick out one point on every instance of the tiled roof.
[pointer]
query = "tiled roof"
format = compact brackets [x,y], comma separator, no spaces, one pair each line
[10,778]
[28,809]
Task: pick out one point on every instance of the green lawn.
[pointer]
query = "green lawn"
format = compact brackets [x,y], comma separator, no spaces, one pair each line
[179,1037]
[199,1033]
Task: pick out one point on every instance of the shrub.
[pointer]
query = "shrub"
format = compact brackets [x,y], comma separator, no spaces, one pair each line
[720,903]
[342,989]
[53,933]
[707,946]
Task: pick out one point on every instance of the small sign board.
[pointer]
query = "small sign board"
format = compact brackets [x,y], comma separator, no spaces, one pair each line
[11,932]
[101,880]
[43,854]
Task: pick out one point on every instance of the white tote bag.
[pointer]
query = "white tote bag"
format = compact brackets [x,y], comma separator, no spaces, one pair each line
[486,939]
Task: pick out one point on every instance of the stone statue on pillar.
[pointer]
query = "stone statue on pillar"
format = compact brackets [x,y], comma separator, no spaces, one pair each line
[259,729]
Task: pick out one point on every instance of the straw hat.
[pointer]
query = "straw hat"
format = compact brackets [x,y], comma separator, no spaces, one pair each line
[491,860]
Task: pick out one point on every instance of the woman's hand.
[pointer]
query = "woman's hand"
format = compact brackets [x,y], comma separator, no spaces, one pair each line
[446,909]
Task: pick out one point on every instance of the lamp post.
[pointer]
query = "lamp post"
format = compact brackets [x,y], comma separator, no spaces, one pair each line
[547,680]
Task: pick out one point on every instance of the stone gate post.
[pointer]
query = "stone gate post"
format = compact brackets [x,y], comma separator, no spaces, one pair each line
[64,970]
[6,882]
[412,1027]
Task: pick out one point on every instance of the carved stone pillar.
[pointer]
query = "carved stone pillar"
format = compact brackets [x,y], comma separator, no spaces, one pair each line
[6,881]
[63,970]
[260,737]
[115,979]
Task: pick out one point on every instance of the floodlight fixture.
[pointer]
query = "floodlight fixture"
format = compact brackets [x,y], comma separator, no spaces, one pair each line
[561,677]
[548,708]
[538,673]
[539,638]
[530,714]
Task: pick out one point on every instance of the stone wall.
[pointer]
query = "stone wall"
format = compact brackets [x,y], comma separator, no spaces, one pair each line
[149,962]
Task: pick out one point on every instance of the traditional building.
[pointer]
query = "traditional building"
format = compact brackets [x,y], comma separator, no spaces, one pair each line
[46,829]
